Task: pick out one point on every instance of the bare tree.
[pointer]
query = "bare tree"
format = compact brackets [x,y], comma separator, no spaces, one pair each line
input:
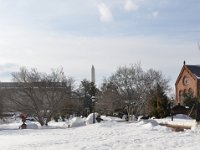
[128,80]
[39,94]
[109,99]
[1,103]
[134,85]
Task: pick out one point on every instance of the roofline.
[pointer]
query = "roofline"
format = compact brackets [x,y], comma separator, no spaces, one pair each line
[185,67]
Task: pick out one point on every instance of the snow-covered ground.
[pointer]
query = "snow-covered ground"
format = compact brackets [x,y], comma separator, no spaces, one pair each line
[111,134]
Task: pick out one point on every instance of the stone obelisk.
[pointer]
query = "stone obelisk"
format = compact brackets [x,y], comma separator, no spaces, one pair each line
[93,74]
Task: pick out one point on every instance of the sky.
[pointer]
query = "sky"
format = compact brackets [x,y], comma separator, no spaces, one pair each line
[76,34]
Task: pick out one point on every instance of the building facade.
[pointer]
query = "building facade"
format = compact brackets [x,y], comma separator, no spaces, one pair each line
[187,82]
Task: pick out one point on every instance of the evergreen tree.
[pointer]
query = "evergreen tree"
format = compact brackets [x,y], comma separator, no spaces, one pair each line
[193,104]
[158,103]
[86,91]
[190,102]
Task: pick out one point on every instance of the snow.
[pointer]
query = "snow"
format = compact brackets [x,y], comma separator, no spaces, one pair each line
[89,119]
[179,119]
[32,126]
[76,122]
[111,134]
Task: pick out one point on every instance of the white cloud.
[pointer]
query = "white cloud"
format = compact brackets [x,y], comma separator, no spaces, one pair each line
[105,13]
[131,5]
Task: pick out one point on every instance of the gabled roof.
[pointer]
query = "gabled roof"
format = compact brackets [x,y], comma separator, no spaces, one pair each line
[195,69]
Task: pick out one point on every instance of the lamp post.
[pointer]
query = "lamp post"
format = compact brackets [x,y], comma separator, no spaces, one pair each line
[170,108]
[93,103]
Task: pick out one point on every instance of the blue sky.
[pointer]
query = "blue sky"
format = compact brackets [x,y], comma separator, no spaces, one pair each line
[75,34]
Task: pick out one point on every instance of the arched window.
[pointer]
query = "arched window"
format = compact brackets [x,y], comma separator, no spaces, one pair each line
[190,92]
[181,97]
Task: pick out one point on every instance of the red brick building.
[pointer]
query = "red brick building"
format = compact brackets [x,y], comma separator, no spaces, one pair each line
[187,81]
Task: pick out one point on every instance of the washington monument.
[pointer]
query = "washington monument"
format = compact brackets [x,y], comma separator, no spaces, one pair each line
[93,74]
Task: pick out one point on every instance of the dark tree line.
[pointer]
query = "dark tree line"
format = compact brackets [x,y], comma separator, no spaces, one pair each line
[130,90]
[193,104]
[1,103]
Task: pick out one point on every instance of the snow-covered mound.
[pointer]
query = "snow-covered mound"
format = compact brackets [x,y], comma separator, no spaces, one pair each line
[179,119]
[77,122]
[9,120]
[182,116]
[31,126]
[110,118]
[125,117]
[148,124]
[89,119]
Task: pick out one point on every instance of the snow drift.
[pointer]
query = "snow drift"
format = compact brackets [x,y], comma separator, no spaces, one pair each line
[77,122]
[89,119]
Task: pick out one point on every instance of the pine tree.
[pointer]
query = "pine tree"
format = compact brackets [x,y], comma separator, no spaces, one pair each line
[86,91]
[158,103]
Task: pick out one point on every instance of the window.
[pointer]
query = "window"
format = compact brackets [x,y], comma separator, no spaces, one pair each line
[190,92]
[181,97]
[186,81]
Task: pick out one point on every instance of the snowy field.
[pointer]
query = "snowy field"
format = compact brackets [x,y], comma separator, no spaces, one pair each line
[111,134]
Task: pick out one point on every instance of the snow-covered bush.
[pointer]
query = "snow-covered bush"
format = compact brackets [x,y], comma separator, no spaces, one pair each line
[182,116]
[124,117]
[31,126]
[89,119]
[148,124]
[28,126]
[76,122]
